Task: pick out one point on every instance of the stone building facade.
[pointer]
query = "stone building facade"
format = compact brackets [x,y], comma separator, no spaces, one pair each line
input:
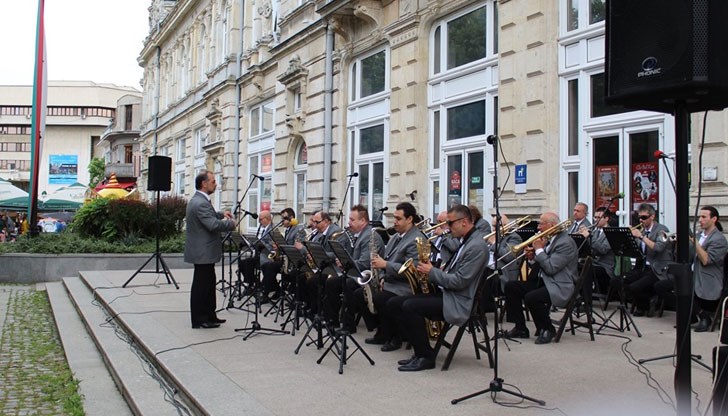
[404,94]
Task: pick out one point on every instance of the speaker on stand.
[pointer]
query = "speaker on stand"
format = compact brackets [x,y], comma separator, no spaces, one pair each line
[159,179]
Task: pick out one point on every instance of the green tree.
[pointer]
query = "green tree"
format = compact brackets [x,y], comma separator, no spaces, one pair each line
[96,171]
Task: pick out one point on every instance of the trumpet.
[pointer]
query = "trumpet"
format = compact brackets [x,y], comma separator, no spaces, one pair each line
[423,222]
[433,228]
[511,226]
[548,234]
[433,237]
[665,237]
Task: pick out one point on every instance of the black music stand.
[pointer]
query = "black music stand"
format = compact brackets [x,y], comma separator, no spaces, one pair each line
[341,334]
[583,245]
[324,267]
[622,244]
[280,303]
[233,289]
[296,258]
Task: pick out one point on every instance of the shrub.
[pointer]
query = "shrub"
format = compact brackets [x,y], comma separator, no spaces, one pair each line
[69,242]
[172,211]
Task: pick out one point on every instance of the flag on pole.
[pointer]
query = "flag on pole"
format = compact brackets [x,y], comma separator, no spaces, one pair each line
[37,128]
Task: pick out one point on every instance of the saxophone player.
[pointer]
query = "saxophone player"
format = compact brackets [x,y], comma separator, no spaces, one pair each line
[270,270]
[459,282]
[400,247]
[360,232]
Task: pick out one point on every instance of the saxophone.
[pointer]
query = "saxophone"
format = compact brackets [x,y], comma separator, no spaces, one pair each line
[420,282]
[370,280]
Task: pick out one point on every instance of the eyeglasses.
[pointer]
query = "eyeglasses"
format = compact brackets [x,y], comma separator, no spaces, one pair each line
[645,217]
[316,222]
[450,223]
[597,218]
[285,219]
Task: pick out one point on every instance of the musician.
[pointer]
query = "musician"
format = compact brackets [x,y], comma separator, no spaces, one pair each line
[557,261]
[271,269]
[710,251]
[323,230]
[480,223]
[400,247]
[602,254]
[263,246]
[458,280]
[203,249]
[639,283]
[361,234]
[445,246]
[509,269]
[580,220]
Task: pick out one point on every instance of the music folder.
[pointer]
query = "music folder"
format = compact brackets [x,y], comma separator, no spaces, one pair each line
[344,257]
[323,262]
[622,243]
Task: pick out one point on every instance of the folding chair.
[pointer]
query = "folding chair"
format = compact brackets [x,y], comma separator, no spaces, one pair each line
[724,294]
[581,295]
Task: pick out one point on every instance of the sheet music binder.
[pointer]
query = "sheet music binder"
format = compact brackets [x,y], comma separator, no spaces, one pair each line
[321,258]
[622,243]
[344,257]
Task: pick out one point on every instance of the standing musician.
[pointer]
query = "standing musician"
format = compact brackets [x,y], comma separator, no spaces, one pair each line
[400,247]
[203,249]
[361,235]
[458,280]
[602,254]
[710,251]
[263,246]
[557,261]
[639,283]
[270,270]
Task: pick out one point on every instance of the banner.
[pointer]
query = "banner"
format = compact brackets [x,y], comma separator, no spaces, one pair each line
[40,108]
[62,169]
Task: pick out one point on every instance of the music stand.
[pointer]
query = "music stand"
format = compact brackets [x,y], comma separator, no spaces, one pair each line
[323,263]
[234,289]
[623,244]
[299,263]
[278,305]
[341,334]
[583,244]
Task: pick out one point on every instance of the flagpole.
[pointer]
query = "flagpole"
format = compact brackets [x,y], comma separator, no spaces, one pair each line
[40,86]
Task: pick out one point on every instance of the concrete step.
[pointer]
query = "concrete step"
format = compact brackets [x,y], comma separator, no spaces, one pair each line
[96,386]
[141,391]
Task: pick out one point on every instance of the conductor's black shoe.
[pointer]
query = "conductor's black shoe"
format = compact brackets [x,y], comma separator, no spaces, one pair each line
[218,320]
[205,325]
[703,325]
[392,345]
[376,340]
[407,361]
[638,312]
[546,336]
[418,364]
[517,333]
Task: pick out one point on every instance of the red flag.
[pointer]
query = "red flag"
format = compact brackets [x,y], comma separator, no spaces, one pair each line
[37,129]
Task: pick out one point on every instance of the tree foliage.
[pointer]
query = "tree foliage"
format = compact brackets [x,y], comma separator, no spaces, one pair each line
[96,171]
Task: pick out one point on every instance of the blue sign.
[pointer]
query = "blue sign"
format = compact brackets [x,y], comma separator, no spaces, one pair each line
[521,174]
[62,169]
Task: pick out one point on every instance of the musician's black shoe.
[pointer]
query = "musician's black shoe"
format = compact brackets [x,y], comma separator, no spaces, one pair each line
[418,364]
[205,325]
[217,320]
[703,325]
[376,340]
[546,336]
[407,361]
[392,345]
[517,332]
[264,299]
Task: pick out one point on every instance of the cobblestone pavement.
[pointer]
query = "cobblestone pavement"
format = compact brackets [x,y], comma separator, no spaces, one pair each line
[34,375]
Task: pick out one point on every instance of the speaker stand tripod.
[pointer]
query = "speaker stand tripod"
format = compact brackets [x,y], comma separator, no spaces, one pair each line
[161,265]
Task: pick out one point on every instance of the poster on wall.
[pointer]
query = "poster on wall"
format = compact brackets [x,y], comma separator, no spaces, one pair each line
[607,180]
[644,184]
[62,169]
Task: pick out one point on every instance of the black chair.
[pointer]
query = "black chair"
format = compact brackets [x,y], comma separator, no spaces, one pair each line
[719,310]
[581,296]
[476,321]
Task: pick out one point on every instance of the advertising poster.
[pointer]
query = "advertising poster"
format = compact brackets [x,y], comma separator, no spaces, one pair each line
[644,184]
[63,169]
[607,180]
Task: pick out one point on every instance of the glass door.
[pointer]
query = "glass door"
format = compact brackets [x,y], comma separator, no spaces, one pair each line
[465,181]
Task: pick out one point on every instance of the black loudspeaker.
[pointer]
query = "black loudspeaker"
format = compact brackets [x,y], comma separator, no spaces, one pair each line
[659,52]
[160,173]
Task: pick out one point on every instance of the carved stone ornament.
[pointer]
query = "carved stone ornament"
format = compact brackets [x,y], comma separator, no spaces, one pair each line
[265,10]
[295,71]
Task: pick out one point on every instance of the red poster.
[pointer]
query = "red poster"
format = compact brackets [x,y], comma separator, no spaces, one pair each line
[644,184]
[607,185]
[455,180]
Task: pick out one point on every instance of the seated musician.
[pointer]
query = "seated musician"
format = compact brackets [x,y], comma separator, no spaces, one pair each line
[458,280]
[639,283]
[270,270]
[480,223]
[361,235]
[263,247]
[400,247]
[323,231]
[509,269]
[444,245]
[602,255]
[710,252]
[556,258]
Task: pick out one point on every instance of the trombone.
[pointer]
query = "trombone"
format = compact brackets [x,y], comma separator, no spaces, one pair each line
[511,226]
[433,228]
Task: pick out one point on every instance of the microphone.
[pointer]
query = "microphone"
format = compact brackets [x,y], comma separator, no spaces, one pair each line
[353,175]
[659,154]
[259,177]
[252,214]
[383,209]
[293,222]
[615,197]
[491,139]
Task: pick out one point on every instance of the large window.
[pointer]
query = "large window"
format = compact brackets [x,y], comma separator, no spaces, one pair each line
[369,75]
[300,167]
[466,120]
[581,14]
[261,119]
[464,38]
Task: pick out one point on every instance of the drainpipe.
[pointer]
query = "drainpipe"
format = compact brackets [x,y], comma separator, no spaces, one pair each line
[328,116]
[238,73]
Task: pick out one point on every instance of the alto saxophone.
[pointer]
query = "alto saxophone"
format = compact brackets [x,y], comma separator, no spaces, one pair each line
[370,280]
[420,282]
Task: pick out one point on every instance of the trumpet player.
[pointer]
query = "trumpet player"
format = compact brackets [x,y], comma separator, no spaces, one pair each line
[639,284]
[557,261]
[270,269]
[710,251]
[263,247]
[602,254]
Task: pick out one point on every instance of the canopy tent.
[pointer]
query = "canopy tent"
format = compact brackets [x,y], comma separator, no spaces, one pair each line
[9,191]
[76,192]
[53,204]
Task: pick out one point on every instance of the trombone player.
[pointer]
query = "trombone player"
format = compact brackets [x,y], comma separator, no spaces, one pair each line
[555,253]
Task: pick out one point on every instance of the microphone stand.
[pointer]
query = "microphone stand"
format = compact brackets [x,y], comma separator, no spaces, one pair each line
[496,385]
[343,201]
[669,175]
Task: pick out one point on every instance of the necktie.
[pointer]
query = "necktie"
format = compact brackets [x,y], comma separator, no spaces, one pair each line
[285,236]
[574,228]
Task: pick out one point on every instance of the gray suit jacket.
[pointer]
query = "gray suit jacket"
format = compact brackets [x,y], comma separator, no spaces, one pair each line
[511,271]
[585,222]
[709,279]
[396,253]
[361,253]
[295,233]
[483,225]
[602,251]
[202,231]
[459,280]
[558,267]
[660,256]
